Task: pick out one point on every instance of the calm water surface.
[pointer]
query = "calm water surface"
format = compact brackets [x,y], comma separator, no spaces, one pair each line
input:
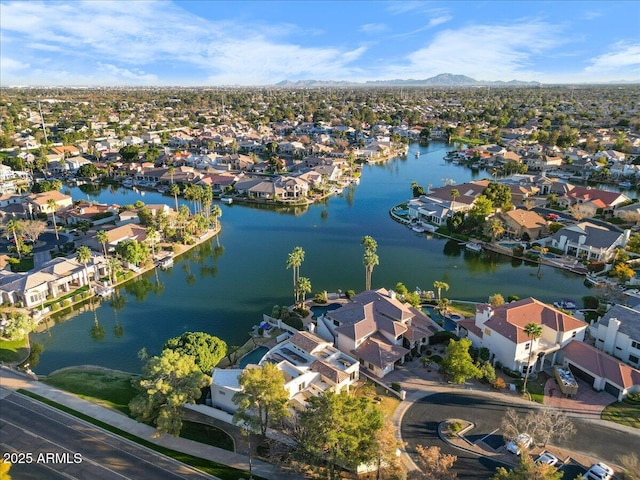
[224,290]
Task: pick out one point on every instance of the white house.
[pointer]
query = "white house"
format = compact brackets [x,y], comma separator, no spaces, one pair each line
[310,366]
[501,330]
[618,333]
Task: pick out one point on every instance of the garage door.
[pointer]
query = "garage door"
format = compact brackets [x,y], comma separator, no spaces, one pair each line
[581,374]
[613,390]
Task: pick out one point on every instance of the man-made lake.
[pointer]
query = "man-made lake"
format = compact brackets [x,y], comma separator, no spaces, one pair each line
[225,290]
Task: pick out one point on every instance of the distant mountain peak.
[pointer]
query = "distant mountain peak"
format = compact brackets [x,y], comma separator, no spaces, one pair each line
[441,80]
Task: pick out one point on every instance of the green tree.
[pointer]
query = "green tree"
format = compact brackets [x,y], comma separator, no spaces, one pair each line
[494,228]
[534,332]
[103,239]
[19,325]
[370,258]
[439,286]
[496,300]
[129,153]
[88,170]
[481,208]
[216,213]
[53,206]
[455,193]
[132,251]
[302,288]
[499,194]
[340,430]
[12,227]
[206,350]
[457,362]
[175,191]
[263,398]
[83,255]
[416,189]
[528,470]
[294,261]
[168,382]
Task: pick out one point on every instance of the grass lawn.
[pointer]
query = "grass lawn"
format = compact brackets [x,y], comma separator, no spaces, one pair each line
[535,386]
[216,469]
[24,265]
[13,350]
[386,401]
[109,389]
[207,434]
[463,308]
[624,413]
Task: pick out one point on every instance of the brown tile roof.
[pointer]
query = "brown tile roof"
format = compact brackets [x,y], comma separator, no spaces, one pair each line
[526,218]
[470,325]
[509,320]
[601,364]
[128,231]
[329,371]
[306,341]
[379,352]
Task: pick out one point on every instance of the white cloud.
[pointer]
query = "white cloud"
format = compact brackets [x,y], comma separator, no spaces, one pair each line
[439,20]
[623,56]
[8,64]
[374,28]
[485,52]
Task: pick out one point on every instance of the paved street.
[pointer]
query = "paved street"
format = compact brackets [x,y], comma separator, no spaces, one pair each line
[83,451]
[420,422]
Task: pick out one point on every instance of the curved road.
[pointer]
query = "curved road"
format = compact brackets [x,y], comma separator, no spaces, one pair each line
[420,421]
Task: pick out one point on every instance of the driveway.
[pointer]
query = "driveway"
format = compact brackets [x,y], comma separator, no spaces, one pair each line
[587,402]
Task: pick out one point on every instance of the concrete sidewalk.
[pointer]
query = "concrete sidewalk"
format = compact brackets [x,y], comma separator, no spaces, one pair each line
[12,380]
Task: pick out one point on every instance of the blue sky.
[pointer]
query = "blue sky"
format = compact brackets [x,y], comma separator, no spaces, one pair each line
[193,43]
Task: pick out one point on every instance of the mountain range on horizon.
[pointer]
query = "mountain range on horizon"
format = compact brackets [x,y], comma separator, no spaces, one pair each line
[441,80]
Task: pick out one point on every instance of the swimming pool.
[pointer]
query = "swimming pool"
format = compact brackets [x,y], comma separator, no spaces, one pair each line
[253,357]
[449,324]
[510,244]
[319,310]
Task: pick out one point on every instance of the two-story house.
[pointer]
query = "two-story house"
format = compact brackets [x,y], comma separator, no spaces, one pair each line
[618,333]
[501,330]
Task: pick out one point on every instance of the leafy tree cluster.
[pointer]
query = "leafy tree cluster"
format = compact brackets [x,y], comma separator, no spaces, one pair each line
[206,350]
[46,186]
[499,195]
[168,381]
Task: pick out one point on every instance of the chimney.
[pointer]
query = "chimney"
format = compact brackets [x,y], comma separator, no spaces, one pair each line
[610,338]
[484,312]
[392,294]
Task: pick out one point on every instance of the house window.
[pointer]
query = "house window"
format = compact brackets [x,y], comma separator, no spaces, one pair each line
[527,346]
[573,334]
[487,331]
[633,359]
[635,345]
[301,386]
[371,367]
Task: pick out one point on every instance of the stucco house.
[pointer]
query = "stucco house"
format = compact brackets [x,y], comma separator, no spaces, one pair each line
[40,201]
[501,330]
[377,329]
[441,203]
[588,240]
[618,333]
[310,366]
[520,222]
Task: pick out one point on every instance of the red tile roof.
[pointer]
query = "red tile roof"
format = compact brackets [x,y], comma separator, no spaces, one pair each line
[602,365]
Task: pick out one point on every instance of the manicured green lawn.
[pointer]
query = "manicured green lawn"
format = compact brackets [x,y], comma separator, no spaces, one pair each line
[110,389]
[13,350]
[464,308]
[24,265]
[624,413]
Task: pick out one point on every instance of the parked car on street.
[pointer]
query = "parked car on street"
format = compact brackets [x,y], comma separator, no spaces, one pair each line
[521,442]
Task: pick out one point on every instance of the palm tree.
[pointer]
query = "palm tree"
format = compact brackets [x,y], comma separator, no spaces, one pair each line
[494,228]
[103,239]
[454,194]
[302,288]
[153,237]
[83,255]
[175,190]
[370,258]
[294,260]
[534,332]
[53,206]
[171,170]
[216,212]
[12,227]
[440,286]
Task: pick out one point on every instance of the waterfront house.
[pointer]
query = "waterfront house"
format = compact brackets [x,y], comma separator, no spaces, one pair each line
[600,370]
[377,329]
[39,202]
[501,330]
[588,240]
[128,231]
[439,204]
[618,333]
[603,198]
[523,224]
[310,366]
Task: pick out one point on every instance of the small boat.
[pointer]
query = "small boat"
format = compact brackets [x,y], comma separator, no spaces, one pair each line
[166,263]
[565,304]
[417,154]
[473,247]
[226,200]
[625,184]
[418,229]
[104,291]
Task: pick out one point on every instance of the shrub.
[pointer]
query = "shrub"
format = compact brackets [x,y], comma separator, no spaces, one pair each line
[66,302]
[484,354]
[294,322]
[499,383]
[442,337]
[321,297]
[511,373]
[590,302]
[54,307]
[436,359]
[350,294]
[455,427]
[395,386]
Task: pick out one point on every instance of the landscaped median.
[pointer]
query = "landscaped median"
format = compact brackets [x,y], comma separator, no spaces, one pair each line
[221,471]
[626,412]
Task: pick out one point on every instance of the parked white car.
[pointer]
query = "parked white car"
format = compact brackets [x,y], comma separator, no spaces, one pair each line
[521,442]
[547,458]
[599,471]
